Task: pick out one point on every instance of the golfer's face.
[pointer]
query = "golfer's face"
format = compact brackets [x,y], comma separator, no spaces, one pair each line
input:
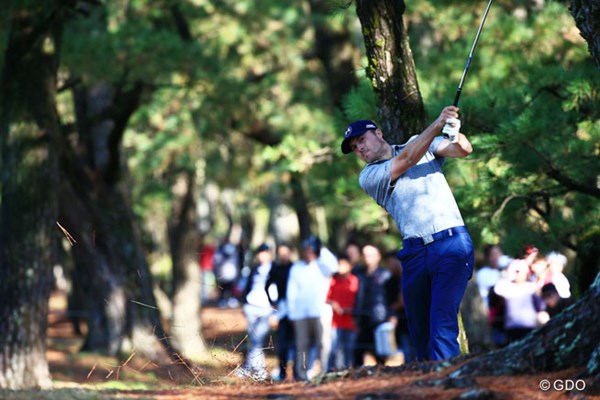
[367,146]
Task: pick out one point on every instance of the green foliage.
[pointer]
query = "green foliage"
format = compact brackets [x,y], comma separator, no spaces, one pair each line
[530,108]
[244,105]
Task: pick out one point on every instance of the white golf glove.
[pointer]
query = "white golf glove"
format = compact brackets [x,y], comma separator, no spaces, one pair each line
[451,129]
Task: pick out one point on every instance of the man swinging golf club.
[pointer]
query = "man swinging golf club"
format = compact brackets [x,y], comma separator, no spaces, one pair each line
[437,255]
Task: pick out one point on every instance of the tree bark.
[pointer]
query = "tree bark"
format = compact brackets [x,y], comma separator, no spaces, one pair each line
[96,210]
[300,205]
[391,68]
[187,281]
[587,18]
[29,131]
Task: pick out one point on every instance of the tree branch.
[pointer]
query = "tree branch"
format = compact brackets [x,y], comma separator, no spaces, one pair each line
[556,174]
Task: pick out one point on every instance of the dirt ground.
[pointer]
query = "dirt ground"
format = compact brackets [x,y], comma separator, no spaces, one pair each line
[82,376]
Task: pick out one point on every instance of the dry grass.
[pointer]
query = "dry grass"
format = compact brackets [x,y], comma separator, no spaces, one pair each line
[90,376]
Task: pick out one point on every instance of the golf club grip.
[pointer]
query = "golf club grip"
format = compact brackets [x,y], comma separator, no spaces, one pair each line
[457,97]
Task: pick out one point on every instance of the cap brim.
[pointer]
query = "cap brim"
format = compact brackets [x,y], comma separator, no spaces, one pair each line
[346,146]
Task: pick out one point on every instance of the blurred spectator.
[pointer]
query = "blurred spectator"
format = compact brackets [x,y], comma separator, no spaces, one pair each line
[370,306]
[227,270]
[257,311]
[530,254]
[206,260]
[352,250]
[554,303]
[538,271]
[488,275]
[395,302]
[523,307]
[307,289]
[496,317]
[556,265]
[341,297]
[284,339]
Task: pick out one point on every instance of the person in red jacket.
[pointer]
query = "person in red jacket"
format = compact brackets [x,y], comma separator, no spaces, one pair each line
[341,297]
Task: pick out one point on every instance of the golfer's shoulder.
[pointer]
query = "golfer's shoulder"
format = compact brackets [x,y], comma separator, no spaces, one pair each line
[373,173]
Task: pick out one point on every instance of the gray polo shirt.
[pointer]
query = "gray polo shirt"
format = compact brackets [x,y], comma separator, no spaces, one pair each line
[420,201]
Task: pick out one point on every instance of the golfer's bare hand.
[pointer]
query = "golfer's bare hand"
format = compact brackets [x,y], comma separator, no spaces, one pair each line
[447,112]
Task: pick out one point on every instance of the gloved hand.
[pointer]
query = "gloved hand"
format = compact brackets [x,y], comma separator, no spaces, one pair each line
[451,129]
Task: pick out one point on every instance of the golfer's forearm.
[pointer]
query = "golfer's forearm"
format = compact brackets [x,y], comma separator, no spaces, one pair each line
[462,148]
[414,151]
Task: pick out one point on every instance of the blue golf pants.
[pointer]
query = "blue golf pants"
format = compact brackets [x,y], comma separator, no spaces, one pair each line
[434,280]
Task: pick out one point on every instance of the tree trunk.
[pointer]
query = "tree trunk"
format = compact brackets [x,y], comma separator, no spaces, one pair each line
[587,18]
[96,211]
[29,131]
[475,320]
[97,287]
[568,340]
[187,281]
[333,47]
[88,192]
[300,205]
[391,69]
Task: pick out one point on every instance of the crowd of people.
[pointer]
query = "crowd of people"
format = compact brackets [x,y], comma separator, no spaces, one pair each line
[523,293]
[325,311]
[328,312]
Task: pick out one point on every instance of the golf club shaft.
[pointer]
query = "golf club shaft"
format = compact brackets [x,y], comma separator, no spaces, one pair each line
[468,64]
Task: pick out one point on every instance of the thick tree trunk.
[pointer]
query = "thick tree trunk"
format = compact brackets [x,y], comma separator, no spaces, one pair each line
[96,211]
[89,208]
[391,68]
[587,19]
[29,131]
[187,280]
[568,340]
[96,287]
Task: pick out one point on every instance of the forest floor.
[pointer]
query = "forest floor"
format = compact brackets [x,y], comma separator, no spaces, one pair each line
[85,376]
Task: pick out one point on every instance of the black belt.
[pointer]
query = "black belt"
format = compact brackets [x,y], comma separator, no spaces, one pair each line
[425,240]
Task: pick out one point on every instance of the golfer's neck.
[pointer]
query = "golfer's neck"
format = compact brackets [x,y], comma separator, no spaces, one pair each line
[386,152]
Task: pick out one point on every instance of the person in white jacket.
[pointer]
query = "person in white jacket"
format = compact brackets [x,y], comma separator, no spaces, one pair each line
[306,300]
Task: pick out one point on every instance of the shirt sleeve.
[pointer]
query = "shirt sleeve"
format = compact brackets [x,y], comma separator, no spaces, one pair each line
[328,263]
[435,144]
[375,180]
[292,290]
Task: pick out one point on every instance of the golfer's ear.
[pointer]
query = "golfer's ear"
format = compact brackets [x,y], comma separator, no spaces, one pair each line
[379,133]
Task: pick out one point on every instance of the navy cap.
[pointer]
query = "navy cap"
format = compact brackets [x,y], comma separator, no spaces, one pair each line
[355,129]
[313,243]
[262,247]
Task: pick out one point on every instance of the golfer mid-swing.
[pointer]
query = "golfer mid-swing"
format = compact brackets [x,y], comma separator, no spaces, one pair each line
[437,254]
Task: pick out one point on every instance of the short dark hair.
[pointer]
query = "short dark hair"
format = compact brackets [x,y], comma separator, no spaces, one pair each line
[548,290]
[393,253]
[488,249]
[284,244]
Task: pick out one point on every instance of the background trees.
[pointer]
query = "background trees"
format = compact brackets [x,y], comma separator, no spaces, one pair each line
[139,127]
[29,130]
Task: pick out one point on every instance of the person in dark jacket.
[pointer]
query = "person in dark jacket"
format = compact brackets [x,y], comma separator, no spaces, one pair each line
[370,307]
[284,337]
[395,301]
